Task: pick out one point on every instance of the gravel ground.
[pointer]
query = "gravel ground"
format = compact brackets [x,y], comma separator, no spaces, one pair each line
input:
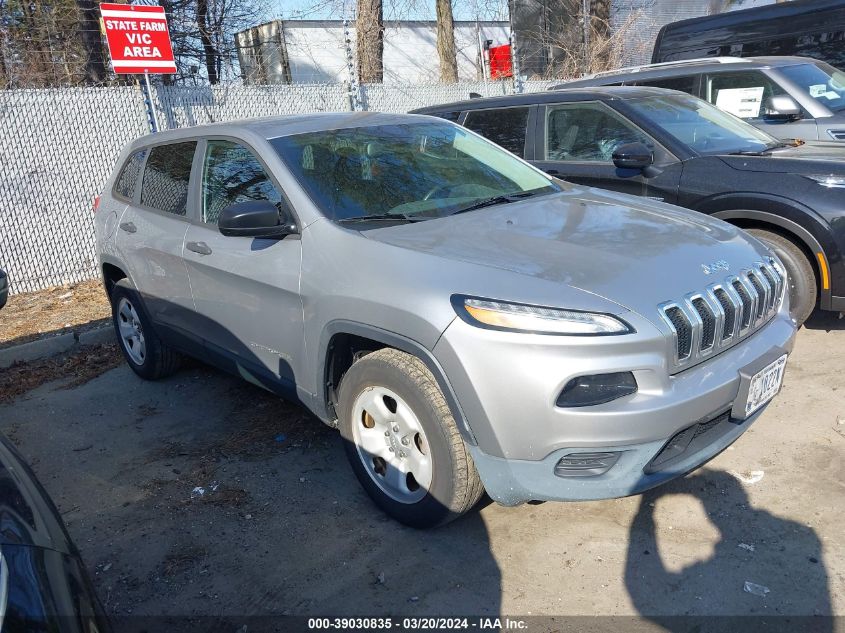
[203,495]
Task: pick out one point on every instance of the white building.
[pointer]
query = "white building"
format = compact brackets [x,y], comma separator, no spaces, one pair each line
[315,51]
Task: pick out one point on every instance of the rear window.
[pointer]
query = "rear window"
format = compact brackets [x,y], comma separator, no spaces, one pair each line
[503,126]
[124,186]
[167,176]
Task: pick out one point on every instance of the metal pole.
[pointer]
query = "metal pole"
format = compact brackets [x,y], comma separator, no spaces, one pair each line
[151,109]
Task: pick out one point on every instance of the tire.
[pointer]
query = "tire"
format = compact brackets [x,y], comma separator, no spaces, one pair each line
[803,287]
[394,422]
[143,350]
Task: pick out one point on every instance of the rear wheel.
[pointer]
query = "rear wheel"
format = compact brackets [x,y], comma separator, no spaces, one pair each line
[803,287]
[402,441]
[143,350]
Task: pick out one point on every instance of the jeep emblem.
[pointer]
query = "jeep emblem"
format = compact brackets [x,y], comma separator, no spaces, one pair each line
[717,265]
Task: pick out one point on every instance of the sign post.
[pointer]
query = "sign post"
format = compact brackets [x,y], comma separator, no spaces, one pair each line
[139,42]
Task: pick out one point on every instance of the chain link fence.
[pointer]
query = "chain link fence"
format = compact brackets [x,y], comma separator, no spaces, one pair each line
[59,145]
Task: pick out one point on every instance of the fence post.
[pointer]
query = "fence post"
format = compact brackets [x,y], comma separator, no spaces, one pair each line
[152,117]
[355,100]
[518,87]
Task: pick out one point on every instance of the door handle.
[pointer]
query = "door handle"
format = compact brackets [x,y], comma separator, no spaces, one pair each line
[128,227]
[198,247]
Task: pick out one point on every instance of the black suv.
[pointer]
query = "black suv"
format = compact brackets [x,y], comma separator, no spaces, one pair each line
[670,146]
[788,97]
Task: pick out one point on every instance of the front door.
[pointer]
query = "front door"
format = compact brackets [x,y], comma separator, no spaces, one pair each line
[745,94]
[151,232]
[575,142]
[246,290]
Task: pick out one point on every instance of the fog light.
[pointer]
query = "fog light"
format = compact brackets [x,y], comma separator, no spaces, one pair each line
[585,464]
[585,391]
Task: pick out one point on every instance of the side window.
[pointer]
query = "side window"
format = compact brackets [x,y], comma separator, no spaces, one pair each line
[124,185]
[684,84]
[232,174]
[504,126]
[167,176]
[587,132]
[741,93]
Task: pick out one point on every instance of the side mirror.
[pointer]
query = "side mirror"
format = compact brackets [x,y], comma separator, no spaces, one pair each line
[782,108]
[256,218]
[633,156]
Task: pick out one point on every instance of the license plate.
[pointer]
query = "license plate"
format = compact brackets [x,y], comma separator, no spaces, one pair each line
[764,385]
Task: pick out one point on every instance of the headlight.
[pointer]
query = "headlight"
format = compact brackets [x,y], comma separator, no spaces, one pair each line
[826,180]
[518,317]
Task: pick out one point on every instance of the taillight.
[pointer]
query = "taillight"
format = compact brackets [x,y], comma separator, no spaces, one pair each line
[96,203]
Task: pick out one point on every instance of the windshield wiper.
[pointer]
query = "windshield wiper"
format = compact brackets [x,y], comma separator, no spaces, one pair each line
[489,202]
[395,217]
[763,152]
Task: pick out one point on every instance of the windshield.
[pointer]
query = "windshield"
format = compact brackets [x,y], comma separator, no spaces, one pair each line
[821,81]
[409,171]
[701,126]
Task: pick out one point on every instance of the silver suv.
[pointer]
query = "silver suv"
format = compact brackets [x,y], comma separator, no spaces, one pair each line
[466,321]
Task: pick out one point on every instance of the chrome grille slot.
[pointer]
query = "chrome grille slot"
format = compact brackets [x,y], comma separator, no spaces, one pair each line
[761,295]
[683,330]
[706,322]
[730,312]
[773,285]
[747,303]
[837,135]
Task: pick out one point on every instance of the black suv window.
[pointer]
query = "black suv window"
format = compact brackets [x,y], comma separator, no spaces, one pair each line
[587,132]
[167,176]
[504,126]
[124,186]
[232,174]
[741,93]
[686,83]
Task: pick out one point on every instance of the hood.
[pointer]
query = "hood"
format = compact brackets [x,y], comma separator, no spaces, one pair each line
[809,158]
[634,252]
[27,516]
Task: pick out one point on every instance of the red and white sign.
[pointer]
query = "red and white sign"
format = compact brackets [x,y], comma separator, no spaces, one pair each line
[138,39]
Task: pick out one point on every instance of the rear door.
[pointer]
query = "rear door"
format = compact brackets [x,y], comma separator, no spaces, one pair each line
[506,127]
[151,233]
[246,290]
[575,141]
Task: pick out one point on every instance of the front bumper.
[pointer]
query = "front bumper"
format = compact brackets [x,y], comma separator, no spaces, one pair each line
[507,385]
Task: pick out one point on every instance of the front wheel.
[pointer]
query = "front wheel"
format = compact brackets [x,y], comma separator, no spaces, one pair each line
[402,441]
[144,352]
[803,288]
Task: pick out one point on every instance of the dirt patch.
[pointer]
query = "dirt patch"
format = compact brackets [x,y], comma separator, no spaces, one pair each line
[74,368]
[32,315]
[182,559]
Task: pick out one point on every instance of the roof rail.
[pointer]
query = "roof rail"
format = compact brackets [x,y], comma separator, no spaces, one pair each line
[680,62]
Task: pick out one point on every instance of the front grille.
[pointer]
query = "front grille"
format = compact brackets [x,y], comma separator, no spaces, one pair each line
[710,321]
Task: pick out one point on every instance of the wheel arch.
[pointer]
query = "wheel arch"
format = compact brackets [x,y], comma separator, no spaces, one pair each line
[342,342]
[790,229]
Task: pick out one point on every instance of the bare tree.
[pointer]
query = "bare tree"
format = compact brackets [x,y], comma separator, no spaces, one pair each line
[92,42]
[446,42]
[369,28]
[209,51]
